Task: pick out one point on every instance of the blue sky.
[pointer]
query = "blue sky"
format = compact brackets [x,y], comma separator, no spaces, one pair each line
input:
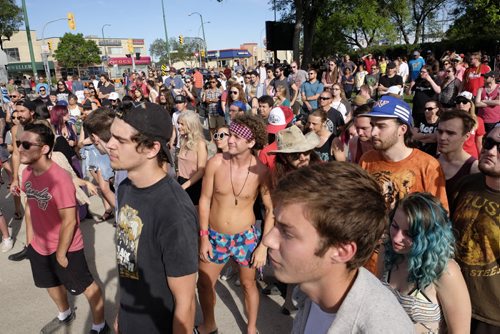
[232,22]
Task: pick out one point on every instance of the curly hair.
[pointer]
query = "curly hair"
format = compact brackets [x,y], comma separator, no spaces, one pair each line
[433,240]
[193,129]
[258,128]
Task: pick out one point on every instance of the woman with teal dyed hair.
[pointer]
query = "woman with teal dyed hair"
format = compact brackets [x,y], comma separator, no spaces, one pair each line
[417,266]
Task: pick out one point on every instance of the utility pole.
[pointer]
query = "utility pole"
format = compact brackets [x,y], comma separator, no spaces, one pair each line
[30,43]
[203,31]
[166,35]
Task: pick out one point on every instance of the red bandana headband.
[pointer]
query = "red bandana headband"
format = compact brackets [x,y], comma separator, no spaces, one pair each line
[241,131]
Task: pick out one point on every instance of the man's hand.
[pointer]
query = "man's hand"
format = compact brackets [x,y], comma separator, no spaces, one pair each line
[206,251]
[62,260]
[14,188]
[259,256]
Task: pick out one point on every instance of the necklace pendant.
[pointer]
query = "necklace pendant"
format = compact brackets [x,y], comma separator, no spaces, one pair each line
[235,201]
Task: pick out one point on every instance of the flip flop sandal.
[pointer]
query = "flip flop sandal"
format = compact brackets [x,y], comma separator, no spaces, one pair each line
[107,215]
[197,331]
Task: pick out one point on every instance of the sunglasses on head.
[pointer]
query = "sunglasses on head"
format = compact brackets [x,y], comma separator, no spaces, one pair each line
[220,136]
[26,144]
[489,143]
[296,156]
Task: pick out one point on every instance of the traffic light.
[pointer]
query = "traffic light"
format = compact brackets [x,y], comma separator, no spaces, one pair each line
[71,21]
[130,46]
[202,53]
[49,43]
[181,39]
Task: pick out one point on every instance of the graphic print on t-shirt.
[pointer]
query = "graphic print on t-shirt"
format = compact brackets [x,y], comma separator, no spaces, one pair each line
[395,185]
[478,243]
[128,232]
[42,197]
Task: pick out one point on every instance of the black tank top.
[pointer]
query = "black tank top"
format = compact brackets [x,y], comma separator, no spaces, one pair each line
[463,171]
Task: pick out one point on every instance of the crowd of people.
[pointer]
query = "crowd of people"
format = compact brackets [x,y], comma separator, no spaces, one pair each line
[375,214]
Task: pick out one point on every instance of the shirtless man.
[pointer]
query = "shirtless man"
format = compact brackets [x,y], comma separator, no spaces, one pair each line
[227,218]
[453,130]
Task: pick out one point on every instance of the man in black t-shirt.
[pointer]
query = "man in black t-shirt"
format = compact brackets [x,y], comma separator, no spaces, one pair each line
[157,227]
[335,120]
[390,79]
[105,88]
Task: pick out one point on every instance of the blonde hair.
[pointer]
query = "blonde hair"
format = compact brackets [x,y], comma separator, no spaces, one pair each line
[193,130]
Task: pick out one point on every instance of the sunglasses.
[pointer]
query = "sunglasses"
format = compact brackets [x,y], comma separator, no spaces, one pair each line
[112,100]
[26,144]
[429,109]
[489,143]
[233,92]
[188,82]
[15,117]
[220,136]
[13,96]
[324,98]
[42,90]
[296,156]
[461,102]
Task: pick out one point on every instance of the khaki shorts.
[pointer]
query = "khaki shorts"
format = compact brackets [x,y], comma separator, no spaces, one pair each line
[214,121]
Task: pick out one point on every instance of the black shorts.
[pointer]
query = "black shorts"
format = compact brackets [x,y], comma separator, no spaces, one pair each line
[48,273]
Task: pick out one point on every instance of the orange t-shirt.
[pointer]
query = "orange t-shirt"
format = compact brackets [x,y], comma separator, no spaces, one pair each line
[419,172]
[198,80]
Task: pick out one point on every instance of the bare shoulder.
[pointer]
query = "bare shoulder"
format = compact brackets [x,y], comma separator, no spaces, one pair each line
[449,276]
[260,168]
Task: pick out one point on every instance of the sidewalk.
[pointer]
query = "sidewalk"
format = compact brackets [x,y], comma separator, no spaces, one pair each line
[26,309]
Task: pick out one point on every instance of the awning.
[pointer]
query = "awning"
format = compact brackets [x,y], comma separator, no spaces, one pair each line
[145,60]
[228,54]
[26,67]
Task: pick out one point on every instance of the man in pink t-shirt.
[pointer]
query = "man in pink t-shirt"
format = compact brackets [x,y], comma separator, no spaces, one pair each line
[55,250]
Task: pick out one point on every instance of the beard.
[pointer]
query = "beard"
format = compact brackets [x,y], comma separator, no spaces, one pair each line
[386,143]
[488,170]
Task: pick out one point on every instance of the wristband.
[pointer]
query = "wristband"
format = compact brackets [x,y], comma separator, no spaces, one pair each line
[203,233]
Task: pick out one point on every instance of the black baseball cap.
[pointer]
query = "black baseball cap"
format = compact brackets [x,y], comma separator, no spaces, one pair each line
[151,120]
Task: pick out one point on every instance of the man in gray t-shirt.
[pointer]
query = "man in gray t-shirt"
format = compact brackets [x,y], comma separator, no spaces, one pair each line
[312,246]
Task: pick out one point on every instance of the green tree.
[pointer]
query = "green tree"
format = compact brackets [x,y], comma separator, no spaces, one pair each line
[183,53]
[74,51]
[158,48]
[10,19]
[411,17]
[475,19]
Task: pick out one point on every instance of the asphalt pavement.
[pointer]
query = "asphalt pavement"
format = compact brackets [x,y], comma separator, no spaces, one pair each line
[25,309]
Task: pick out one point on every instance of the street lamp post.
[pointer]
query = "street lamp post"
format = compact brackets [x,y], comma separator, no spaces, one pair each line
[203,30]
[45,51]
[104,46]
